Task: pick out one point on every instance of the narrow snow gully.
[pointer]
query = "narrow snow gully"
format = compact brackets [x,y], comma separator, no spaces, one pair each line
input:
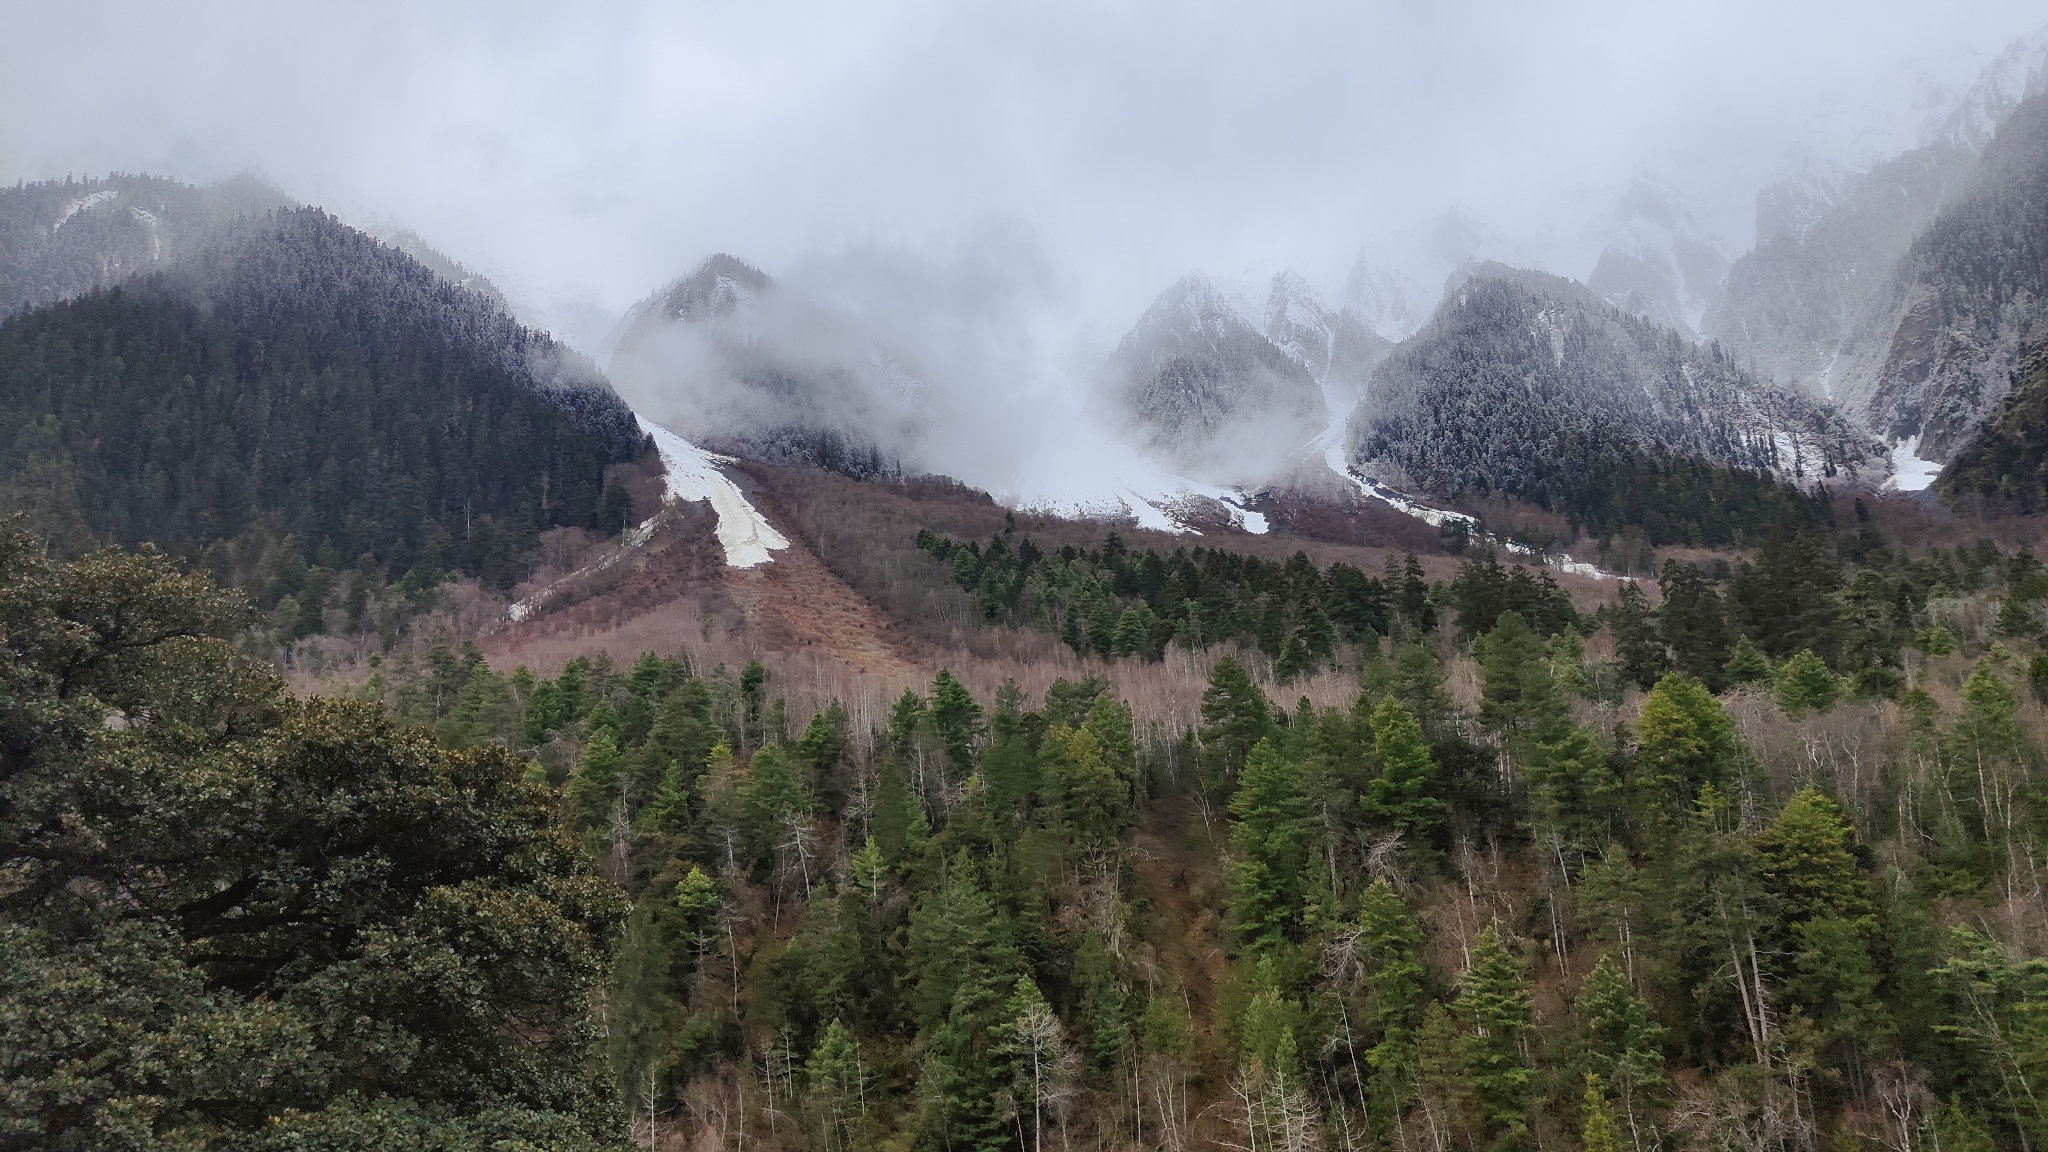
[1438,517]
[690,474]
[693,474]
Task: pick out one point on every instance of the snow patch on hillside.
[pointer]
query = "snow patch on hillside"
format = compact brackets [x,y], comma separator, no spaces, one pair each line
[1909,472]
[81,204]
[1089,479]
[694,474]
[1438,517]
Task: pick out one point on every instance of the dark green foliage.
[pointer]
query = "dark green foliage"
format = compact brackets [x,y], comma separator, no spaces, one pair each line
[1694,624]
[194,956]
[1115,603]
[1636,643]
[1483,590]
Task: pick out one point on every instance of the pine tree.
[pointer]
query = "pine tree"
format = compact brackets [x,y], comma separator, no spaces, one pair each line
[964,967]
[1235,716]
[1804,857]
[1636,643]
[1624,1047]
[1271,834]
[1102,617]
[1694,623]
[1043,1066]
[838,1086]
[1293,660]
[593,787]
[1442,1082]
[958,718]
[1684,740]
[870,870]
[1388,939]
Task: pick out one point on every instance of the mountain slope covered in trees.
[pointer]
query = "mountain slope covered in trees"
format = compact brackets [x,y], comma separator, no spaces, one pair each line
[59,239]
[303,379]
[1528,385]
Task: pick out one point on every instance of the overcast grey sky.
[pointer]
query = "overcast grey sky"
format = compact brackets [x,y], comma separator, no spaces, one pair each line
[1086,153]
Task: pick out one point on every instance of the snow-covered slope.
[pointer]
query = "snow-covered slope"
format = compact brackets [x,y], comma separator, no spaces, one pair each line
[691,474]
[1089,476]
[694,474]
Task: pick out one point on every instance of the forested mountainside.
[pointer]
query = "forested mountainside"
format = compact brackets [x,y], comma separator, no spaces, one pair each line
[728,358]
[303,380]
[1197,385]
[1966,302]
[1528,385]
[59,239]
[1748,867]
[2006,466]
[1825,246]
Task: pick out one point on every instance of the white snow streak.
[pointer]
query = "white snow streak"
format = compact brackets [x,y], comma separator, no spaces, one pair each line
[83,203]
[1909,472]
[1438,517]
[693,474]
[1091,477]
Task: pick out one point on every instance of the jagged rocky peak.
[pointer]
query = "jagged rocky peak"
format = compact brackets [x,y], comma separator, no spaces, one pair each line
[2018,72]
[1659,262]
[1204,384]
[1337,346]
[1826,242]
[1815,305]
[738,362]
[1528,383]
[62,238]
[1389,302]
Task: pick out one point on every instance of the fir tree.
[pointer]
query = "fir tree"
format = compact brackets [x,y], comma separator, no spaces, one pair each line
[1399,794]
[1624,1047]
[1598,1132]
[1804,685]
[1636,643]
[1493,1002]
[1747,665]
[1235,716]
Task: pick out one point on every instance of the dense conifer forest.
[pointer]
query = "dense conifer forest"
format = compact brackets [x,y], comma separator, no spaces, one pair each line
[303,380]
[1752,865]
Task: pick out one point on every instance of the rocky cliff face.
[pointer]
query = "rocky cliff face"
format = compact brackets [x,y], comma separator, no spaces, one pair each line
[1658,261]
[1825,247]
[1937,347]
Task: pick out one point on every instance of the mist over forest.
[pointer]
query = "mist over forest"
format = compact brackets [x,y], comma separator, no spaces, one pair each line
[912,577]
